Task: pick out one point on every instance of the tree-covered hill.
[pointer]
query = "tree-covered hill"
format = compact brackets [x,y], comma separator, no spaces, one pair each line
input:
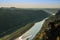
[13,18]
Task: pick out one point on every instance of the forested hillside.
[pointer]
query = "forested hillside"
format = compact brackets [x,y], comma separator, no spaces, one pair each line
[13,18]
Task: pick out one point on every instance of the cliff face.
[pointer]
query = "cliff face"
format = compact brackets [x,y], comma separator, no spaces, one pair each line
[55,18]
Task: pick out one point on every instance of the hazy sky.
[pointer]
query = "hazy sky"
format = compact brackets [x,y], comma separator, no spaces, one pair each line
[30,3]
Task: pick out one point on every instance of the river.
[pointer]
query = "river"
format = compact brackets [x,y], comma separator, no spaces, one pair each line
[31,33]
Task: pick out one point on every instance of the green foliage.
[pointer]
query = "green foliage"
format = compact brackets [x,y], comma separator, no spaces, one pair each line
[13,18]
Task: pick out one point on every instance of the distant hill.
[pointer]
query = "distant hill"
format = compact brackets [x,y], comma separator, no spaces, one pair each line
[13,18]
[58,15]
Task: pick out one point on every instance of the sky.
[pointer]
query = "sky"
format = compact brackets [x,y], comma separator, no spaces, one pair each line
[30,3]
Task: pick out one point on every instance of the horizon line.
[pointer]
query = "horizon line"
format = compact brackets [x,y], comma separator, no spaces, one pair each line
[31,5]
